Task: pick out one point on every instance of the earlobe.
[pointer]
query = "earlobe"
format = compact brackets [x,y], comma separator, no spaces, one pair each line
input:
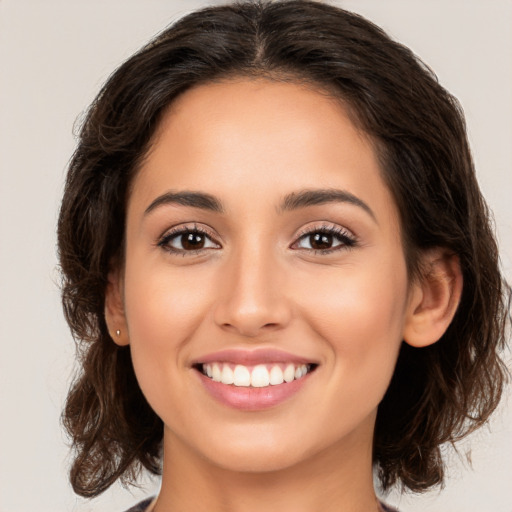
[114,309]
[434,298]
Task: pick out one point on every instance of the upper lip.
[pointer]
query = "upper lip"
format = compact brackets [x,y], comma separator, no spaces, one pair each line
[252,357]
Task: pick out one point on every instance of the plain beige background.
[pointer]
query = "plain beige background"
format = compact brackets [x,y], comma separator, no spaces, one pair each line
[54,56]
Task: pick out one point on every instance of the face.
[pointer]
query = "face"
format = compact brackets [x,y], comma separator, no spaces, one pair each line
[265,290]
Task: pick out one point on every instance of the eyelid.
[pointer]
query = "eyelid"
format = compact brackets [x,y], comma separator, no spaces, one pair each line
[181,229]
[347,237]
[344,235]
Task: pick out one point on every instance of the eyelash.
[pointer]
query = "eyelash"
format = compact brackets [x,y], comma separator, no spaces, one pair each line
[346,238]
[164,242]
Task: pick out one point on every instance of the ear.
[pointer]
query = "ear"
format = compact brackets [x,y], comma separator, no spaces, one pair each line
[114,309]
[433,299]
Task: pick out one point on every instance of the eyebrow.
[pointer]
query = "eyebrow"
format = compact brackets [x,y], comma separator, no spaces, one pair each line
[293,201]
[194,199]
[313,197]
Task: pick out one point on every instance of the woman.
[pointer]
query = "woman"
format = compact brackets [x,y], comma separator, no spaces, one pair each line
[278,259]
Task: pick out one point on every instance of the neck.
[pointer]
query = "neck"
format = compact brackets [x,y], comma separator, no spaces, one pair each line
[339,479]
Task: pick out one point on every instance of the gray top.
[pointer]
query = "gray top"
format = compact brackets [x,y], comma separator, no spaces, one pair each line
[143,505]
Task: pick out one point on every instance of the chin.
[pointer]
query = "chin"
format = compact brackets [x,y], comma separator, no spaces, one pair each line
[257,451]
[257,460]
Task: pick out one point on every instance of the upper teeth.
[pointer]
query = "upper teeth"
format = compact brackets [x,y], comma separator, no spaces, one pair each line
[257,376]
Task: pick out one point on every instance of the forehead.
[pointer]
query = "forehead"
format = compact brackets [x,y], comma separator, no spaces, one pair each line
[258,108]
[265,136]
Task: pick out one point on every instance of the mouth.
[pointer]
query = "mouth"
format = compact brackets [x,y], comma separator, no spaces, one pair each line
[254,380]
[254,376]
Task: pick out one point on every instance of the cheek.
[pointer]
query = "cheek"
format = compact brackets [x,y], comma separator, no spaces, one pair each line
[159,303]
[359,316]
[357,302]
[163,311]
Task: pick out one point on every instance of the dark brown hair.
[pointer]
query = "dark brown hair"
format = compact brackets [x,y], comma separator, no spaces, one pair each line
[437,394]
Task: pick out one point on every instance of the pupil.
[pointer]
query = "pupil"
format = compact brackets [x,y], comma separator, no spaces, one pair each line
[192,241]
[321,241]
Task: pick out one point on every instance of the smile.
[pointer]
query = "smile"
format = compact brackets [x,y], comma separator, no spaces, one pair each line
[256,376]
[253,380]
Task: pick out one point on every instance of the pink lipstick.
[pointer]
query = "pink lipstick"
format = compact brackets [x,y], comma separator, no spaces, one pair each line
[253,380]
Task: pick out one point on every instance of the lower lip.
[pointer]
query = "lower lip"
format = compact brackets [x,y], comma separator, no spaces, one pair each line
[249,398]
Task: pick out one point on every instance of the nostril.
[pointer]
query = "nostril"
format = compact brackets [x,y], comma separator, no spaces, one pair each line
[252,310]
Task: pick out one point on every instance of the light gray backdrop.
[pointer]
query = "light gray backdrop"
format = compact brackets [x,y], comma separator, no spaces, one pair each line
[54,55]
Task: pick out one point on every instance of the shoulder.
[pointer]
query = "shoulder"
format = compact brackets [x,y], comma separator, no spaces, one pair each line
[387,508]
[142,506]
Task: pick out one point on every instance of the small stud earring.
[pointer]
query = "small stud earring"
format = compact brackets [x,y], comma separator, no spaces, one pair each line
[118,333]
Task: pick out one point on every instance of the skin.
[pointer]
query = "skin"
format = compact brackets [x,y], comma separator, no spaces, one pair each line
[258,283]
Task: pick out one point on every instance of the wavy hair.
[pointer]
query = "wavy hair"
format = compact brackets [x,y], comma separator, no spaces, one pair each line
[437,394]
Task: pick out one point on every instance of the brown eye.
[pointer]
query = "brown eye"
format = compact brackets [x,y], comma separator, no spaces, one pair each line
[187,240]
[191,241]
[326,240]
[320,241]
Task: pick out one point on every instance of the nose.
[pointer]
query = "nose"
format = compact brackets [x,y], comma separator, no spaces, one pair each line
[252,299]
